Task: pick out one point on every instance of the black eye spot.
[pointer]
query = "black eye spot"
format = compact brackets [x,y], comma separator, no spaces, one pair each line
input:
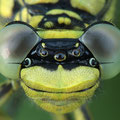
[60,57]
[93,62]
[76,53]
[43,53]
[27,62]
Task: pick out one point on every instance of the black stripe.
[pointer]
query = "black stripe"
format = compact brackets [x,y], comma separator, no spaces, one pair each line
[95,23]
[83,90]
[103,11]
[69,116]
[4,89]
[17,7]
[21,22]
[85,113]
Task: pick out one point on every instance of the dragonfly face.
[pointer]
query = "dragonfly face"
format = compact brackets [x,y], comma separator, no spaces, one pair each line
[64,73]
[58,60]
[61,75]
[58,73]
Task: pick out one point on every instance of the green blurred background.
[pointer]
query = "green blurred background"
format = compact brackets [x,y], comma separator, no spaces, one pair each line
[105,105]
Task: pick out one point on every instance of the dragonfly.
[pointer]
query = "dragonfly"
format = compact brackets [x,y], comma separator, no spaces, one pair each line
[58,52]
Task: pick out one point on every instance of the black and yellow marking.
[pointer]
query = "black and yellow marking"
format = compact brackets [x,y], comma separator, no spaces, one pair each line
[85,112]
[9,8]
[76,115]
[6,90]
[61,14]
[49,54]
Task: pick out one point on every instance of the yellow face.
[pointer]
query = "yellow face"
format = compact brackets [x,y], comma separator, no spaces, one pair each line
[59,91]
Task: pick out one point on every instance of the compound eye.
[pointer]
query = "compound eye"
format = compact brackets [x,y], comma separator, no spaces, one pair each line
[103,40]
[76,53]
[16,41]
